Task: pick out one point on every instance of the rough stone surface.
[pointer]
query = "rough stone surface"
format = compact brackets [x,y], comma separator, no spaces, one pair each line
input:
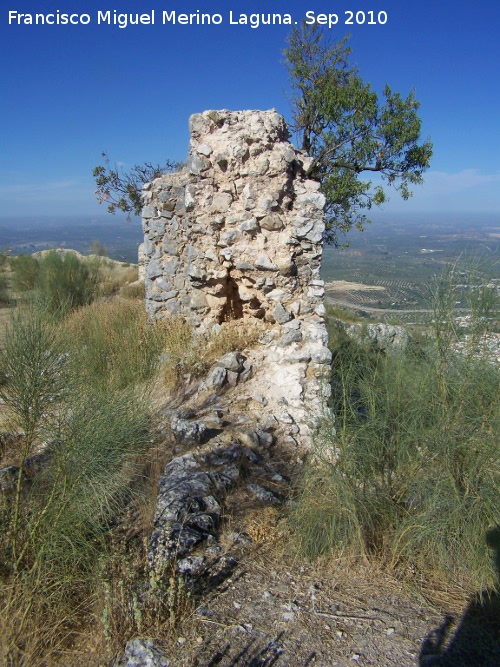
[187,511]
[143,652]
[238,235]
[384,336]
[186,432]
[233,361]
[216,378]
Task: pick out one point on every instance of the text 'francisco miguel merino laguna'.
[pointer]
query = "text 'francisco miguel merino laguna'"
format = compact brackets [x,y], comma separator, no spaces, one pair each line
[167,17]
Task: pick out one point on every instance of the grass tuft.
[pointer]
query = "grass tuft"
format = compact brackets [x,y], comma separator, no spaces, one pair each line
[410,474]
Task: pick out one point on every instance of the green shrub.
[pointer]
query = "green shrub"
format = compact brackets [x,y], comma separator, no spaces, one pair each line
[65,526]
[33,382]
[59,282]
[65,282]
[26,270]
[94,458]
[32,370]
[412,474]
[57,524]
[96,248]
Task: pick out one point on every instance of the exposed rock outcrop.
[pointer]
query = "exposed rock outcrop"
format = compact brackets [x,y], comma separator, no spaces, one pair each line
[386,337]
[142,652]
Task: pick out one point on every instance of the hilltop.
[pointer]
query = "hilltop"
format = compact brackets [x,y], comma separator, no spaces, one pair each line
[212,467]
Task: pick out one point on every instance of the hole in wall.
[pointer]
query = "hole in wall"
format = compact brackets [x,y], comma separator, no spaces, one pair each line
[233,308]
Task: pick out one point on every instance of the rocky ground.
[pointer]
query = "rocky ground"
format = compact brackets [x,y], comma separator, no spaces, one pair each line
[256,604]
[273,611]
[276,609]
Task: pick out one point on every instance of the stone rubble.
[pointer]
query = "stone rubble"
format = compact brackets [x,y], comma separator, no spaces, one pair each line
[193,487]
[385,337]
[485,347]
[141,652]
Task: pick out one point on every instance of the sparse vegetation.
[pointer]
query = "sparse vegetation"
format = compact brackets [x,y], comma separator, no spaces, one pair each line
[96,248]
[344,314]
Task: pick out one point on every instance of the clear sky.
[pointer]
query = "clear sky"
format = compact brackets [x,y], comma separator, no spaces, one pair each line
[69,92]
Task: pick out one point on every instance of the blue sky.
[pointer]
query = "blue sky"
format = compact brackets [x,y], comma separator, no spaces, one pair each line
[70,92]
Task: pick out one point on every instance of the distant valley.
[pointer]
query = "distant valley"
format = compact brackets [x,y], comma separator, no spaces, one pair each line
[28,235]
[387,267]
[390,266]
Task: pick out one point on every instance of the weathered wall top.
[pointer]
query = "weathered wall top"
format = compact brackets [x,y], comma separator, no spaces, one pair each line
[238,234]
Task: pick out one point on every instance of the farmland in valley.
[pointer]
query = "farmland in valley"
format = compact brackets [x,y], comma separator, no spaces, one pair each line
[388,268]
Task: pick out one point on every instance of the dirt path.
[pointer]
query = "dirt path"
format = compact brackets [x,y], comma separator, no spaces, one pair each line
[277,611]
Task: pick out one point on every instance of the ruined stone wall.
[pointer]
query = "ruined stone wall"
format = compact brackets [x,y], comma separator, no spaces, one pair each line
[238,234]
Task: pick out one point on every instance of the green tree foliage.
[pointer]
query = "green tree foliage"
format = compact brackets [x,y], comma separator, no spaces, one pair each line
[348,130]
[122,190]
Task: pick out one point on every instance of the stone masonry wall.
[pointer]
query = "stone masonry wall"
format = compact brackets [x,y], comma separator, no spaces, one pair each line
[238,234]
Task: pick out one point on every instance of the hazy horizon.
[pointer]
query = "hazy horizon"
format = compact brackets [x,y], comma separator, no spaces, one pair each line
[28,234]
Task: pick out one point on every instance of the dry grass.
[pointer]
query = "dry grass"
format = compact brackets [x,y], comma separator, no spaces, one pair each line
[263,525]
[190,355]
[116,278]
[111,317]
[233,335]
[133,290]
[112,342]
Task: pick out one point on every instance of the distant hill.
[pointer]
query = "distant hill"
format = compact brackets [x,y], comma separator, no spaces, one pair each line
[28,235]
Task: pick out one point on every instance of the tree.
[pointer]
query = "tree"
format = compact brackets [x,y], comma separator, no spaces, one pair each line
[96,248]
[347,130]
[123,190]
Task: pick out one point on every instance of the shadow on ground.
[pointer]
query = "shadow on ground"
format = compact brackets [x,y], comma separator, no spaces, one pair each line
[476,641]
[253,654]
